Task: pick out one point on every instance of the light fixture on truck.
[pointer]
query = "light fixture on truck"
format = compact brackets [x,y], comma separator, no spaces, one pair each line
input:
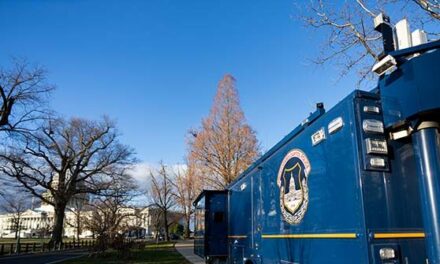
[387,253]
[371,109]
[376,146]
[377,162]
[335,125]
[387,64]
[372,126]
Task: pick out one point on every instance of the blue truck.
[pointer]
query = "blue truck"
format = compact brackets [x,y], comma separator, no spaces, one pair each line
[359,183]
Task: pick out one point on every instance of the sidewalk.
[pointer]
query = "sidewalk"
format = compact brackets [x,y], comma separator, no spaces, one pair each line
[186,249]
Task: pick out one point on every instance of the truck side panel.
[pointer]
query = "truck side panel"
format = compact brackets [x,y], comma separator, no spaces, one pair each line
[332,226]
[392,210]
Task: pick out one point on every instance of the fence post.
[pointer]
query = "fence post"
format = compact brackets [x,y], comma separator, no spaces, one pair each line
[11,248]
[26,249]
[2,249]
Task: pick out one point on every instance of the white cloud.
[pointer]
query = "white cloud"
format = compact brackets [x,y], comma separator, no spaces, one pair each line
[141,171]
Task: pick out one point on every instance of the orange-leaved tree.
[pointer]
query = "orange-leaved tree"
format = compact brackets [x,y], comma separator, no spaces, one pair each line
[225,145]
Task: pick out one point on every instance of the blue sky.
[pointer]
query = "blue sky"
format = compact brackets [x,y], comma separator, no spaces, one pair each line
[154,65]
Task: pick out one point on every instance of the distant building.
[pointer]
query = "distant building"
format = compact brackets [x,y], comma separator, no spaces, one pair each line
[38,222]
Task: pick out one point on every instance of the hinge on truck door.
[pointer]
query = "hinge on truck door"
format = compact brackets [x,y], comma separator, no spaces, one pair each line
[405,131]
[401,133]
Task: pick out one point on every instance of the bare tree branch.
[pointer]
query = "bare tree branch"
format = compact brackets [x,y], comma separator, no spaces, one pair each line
[15,205]
[431,7]
[65,158]
[23,93]
[162,195]
[111,213]
[350,41]
[187,186]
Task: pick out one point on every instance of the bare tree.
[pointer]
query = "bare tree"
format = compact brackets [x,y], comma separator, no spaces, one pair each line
[23,90]
[77,206]
[156,221]
[15,205]
[161,193]
[350,40]
[186,186]
[67,158]
[110,212]
[225,145]
[45,227]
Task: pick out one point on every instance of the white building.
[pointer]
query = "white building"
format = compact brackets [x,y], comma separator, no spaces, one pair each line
[38,222]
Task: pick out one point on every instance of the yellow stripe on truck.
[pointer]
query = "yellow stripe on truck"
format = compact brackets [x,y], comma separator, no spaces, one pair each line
[317,236]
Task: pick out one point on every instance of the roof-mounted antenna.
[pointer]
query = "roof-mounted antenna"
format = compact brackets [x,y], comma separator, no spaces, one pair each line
[382,24]
[387,63]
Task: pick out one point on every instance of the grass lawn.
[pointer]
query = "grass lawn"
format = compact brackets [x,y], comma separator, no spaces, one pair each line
[161,253]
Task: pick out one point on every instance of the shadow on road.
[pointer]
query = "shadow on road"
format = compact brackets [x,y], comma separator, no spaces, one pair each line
[44,258]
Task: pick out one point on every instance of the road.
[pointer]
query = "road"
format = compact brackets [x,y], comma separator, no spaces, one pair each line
[43,258]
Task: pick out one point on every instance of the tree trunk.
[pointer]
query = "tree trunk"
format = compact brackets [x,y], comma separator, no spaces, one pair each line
[187,223]
[165,221]
[78,225]
[57,231]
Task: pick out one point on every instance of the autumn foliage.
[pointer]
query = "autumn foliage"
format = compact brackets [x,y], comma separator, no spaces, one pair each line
[225,145]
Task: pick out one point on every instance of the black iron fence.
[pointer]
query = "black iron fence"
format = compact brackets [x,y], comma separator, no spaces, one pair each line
[14,248]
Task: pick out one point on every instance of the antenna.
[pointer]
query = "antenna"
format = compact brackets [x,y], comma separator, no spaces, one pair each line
[403,34]
[382,24]
[419,37]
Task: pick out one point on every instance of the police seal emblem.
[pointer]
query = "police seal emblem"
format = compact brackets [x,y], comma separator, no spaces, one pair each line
[292,181]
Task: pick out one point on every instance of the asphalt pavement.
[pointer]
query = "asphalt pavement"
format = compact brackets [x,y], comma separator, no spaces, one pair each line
[43,258]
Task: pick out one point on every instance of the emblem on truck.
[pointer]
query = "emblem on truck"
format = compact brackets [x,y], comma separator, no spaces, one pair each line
[292,181]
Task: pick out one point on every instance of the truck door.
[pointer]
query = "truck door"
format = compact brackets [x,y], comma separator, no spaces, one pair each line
[240,224]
